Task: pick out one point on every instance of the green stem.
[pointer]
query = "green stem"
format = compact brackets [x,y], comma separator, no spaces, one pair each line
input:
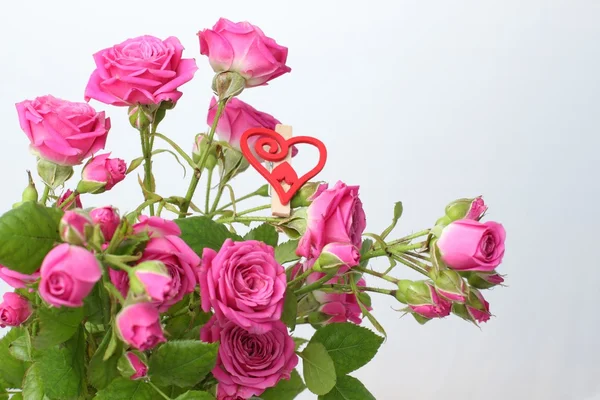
[249,195]
[71,197]
[147,153]
[248,219]
[115,261]
[360,288]
[112,289]
[45,194]
[145,204]
[207,199]
[251,210]
[315,285]
[410,265]
[377,274]
[302,320]
[300,277]
[387,251]
[196,177]
[411,258]
[217,199]
[159,391]
[410,237]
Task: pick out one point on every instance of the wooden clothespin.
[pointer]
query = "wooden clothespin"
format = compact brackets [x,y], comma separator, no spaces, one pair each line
[278,209]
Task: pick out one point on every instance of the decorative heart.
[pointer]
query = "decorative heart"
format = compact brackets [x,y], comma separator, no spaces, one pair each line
[277,150]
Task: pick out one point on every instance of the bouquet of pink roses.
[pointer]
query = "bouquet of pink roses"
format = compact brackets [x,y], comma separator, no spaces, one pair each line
[140,306]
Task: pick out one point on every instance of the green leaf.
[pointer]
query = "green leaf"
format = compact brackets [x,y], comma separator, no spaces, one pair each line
[286,389]
[100,371]
[61,368]
[202,232]
[364,309]
[350,346]
[33,387]
[16,396]
[178,326]
[20,348]
[57,325]
[318,368]
[265,233]
[286,252]
[125,389]
[397,214]
[27,234]
[136,162]
[182,362]
[348,388]
[299,342]
[96,305]
[290,308]
[11,369]
[195,395]
[366,246]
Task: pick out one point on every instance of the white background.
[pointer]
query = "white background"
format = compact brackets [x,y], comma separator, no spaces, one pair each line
[422,102]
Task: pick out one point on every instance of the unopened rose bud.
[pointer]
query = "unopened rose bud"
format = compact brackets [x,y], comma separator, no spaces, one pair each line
[473,208]
[151,278]
[14,310]
[450,285]
[140,116]
[133,365]
[101,174]
[485,280]
[263,191]
[201,147]
[337,257]
[74,203]
[228,84]
[75,227]
[476,309]
[30,193]
[52,174]
[422,299]
[108,218]
[306,194]
[139,326]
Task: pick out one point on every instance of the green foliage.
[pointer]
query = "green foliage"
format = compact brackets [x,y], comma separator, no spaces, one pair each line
[57,325]
[318,368]
[264,233]
[290,309]
[96,305]
[102,371]
[202,232]
[195,395]
[33,387]
[350,346]
[348,388]
[125,389]
[286,389]
[11,369]
[286,252]
[182,363]
[21,348]
[27,234]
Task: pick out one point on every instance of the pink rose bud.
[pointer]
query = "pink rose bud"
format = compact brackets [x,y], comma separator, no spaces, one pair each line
[75,227]
[108,218]
[101,174]
[423,301]
[450,285]
[61,131]
[476,309]
[68,275]
[304,197]
[139,326]
[229,281]
[248,363]
[120,279]
[133,365]
[154,280]
[236,119]
[75,203]
[485,280]
[144,70]
[17,279]
[337,257]
[140,117]
[156,227]
[243,48]
[466,208]
[469,245]
[14,310]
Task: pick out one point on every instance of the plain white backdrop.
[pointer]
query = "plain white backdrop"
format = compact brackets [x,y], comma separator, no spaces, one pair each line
[422,102]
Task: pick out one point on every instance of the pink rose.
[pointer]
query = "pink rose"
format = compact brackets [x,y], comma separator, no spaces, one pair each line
[68,275]
[14,310]
[181,263]
[337,256]
[236,119]
[144,70]
[17,279]
[108,218]
[468,245]
[243,48]
[478,208]
[423,300]
[131,366]
[101,169]
[138,325]
[485,280]
[75,203]
[73,225]
[336,307]
[155,279]
[156,226]
[248,363]
[61,131]
[120,279]
[244,283]
[335,215]
[478,307]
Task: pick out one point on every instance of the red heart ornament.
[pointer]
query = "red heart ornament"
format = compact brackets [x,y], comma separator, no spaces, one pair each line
[277,150]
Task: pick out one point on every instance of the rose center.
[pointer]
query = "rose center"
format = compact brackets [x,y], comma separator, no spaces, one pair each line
[60,284]
[6,316]
[488,245]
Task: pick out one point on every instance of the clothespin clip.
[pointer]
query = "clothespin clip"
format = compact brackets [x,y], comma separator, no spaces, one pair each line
[277,208]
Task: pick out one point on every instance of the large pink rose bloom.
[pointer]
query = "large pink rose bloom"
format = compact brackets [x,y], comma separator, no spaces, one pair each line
[248,363]
[335,215]
[243,48]
[469,245]
[236,119]
[243,283]
[181,263]
[144,70]
[62,131]
[68,275]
